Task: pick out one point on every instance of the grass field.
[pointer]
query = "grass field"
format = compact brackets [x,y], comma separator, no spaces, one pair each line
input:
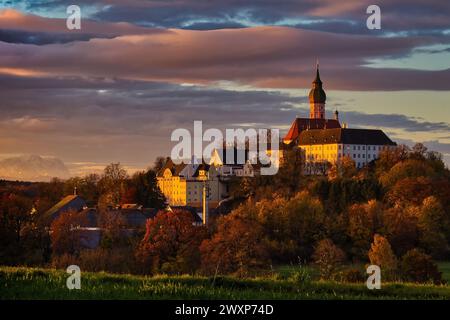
[33,283]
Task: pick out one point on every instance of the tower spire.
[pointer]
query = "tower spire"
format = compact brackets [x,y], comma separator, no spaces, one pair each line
[317,79]
[317,97]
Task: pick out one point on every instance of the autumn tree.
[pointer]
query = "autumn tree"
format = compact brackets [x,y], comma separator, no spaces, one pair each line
[363,221]
[328,257]
[416,266]
[236,248]
[434,228]
[345,168]
[400,227]
[171,243]
[381,254]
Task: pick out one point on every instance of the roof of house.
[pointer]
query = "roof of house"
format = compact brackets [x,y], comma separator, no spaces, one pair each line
[201,166]
[301,124]
[174,168]
[72,202]
[191,210]
[345,136]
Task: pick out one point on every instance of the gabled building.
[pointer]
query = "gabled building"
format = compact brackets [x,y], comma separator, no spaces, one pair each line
[324,141]
[68,203]
[183,184]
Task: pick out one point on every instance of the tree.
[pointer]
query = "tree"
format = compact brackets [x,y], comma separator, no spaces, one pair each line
[410,190]
[15,215]
[434,226]
[86,187]
[66,235]
[112,185]
[400,227]
[159,163]
[345,168]
[328,257]
[236,248]
[363,221]
[146,190]
[417,266]
[113,226]
[381,254]
[171,243]
[389,158]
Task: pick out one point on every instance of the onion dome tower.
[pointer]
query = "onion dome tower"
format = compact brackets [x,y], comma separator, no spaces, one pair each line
[317,98]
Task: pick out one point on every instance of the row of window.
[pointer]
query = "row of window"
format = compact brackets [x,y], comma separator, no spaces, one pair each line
[348,147]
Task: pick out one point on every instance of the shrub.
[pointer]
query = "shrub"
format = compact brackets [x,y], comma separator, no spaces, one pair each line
[301,276]
[417,266]
[63,261]
[328,257]
[351,275]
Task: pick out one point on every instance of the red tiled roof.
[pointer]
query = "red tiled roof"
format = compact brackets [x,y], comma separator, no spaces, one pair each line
[301,124]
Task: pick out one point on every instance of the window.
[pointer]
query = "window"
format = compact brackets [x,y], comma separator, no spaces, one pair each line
[359,156]
[363,155]
[354,147]
[359,147]
[364,148]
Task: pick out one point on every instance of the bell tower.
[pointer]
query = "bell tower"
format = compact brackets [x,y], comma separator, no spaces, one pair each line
[317,98]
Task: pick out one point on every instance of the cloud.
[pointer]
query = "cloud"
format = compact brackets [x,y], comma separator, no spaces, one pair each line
[415,15]
[17,27]
[101,120]
[395,121]
[263,56]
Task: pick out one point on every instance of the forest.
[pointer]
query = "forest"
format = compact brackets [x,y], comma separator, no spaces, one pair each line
[394,213]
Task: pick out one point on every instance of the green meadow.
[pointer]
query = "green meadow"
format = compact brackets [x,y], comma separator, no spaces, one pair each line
[36,283]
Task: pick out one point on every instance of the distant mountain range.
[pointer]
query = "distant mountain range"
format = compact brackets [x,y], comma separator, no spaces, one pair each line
[32,168]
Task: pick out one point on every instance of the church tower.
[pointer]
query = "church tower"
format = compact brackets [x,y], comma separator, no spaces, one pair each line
[317,98]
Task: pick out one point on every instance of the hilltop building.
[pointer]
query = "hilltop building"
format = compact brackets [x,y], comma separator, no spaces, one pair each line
[182,184]
[324,141]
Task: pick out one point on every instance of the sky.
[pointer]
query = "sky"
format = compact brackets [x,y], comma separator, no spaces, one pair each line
[137,70]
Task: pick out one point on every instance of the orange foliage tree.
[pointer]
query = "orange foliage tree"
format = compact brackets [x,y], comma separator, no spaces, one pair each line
[236,248]
[171,243]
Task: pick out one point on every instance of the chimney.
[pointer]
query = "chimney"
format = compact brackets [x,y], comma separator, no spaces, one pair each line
[336,115]
[205,196]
